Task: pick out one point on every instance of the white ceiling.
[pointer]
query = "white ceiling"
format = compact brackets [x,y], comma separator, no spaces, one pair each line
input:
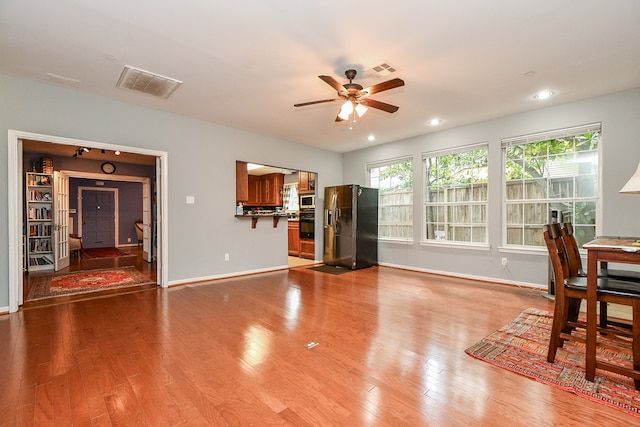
[245,63]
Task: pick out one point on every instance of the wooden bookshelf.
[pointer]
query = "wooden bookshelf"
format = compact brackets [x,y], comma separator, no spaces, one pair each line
[39,198]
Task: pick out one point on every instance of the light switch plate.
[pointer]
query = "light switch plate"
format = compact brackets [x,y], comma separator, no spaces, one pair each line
[191,200]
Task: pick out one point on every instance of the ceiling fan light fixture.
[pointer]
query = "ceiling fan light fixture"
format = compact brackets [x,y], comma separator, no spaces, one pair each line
[346,110]
[361,109]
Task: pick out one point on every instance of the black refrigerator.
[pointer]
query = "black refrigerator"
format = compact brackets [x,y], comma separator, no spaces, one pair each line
[350,226]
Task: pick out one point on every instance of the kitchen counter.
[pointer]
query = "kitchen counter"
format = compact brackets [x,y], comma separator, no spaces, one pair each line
[255,216]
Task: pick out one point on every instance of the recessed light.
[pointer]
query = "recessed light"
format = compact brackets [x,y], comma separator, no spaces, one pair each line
[435,122]
[371,138]
[543,94]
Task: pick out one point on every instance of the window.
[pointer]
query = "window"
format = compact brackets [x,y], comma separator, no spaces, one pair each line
[394,180]
[456,194]
[552,172]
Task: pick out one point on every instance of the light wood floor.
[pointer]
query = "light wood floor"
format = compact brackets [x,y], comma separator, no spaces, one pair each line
[233,352]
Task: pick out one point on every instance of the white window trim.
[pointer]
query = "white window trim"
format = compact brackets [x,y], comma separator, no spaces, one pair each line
[389,162]
[423,231]
[455,244]
[537,137]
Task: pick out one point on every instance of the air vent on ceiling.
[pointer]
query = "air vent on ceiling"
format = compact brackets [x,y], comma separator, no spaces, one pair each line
[381,70]
[147,82]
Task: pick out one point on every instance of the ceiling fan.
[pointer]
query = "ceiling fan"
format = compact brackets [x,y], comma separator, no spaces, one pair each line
[356,97]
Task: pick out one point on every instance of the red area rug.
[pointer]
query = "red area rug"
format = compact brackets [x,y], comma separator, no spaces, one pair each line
[88,281]
[521,347]
[104,253]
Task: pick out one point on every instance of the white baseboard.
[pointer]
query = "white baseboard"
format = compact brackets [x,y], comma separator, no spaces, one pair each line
[467,276]
[195,280]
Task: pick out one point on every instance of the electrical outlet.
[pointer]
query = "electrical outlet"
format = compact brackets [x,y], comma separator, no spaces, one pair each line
[504,262]
[226,257]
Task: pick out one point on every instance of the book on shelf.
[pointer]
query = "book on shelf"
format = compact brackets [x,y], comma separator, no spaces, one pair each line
[40,260]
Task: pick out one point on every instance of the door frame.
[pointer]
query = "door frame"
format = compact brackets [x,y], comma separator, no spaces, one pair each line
[116,215]
[16,195]
[146,201]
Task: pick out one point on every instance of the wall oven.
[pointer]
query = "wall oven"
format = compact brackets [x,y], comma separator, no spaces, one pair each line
[307,224]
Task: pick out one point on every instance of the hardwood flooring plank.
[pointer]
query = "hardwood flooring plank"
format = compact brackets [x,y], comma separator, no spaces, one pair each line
[199,394]
[94,384]
[101,421]
[78,397]
[61,400]
[24,417]
[44,411]
[124,408]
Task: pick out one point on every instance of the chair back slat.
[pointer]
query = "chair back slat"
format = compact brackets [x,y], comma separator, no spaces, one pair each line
[557,253]
[574,260]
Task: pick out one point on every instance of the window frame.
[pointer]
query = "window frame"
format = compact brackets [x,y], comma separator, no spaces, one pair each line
[410,207]
[485,203]
[548,200]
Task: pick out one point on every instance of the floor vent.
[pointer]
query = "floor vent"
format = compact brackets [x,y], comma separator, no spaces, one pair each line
[147,82]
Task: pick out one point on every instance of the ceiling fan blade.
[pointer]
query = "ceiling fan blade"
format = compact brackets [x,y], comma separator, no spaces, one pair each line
[314,102]
[390,84]
[333,83]
[367,102]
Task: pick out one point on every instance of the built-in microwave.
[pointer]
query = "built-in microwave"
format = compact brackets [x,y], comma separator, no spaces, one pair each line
[307,201]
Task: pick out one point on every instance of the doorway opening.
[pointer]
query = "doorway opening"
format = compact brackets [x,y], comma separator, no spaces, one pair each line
[155,233]
[272,190]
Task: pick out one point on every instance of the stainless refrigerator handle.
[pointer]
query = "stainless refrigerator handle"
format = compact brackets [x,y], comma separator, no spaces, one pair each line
[334,210]
[327,218]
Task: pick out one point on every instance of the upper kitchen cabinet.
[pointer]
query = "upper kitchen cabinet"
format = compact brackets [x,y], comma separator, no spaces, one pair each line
[258,190]
[306,182]
[272,189]
[242,182]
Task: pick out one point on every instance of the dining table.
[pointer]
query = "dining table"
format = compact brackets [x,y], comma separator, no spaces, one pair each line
[600,252]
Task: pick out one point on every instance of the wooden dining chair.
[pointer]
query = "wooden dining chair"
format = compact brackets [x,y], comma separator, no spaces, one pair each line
[571,290]
[575,261]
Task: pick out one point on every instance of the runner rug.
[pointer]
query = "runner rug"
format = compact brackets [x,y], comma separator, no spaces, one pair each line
[104,253]
[88,281]
[521,347]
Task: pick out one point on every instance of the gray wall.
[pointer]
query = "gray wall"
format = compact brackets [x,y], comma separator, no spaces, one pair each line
[201,163]
[619,114]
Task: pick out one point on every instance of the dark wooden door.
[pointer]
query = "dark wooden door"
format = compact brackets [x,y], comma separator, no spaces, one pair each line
[98,219]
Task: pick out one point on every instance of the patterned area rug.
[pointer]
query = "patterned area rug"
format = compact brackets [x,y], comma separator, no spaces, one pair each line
[88,281]
[521,347]
[104,253]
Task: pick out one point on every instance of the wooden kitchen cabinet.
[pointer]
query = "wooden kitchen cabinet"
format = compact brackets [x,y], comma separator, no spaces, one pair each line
[265,190]
[258,190]
[307,248]
[294,238]
[255,190]
[242,182]
[272,189]
[306,182]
